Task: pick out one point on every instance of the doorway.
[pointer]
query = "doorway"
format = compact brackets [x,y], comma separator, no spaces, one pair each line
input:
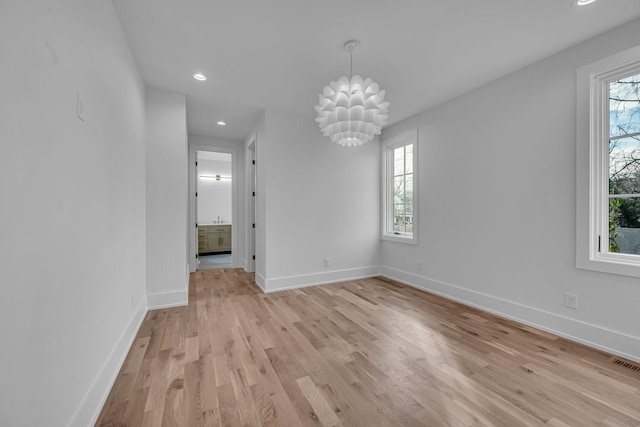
[214,209]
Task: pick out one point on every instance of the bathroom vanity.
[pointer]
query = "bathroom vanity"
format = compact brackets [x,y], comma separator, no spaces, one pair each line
[214,238]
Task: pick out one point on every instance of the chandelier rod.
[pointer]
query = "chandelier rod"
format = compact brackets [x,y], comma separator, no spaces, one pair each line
[351,45]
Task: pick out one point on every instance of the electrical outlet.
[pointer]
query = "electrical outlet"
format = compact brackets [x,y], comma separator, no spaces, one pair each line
[571,300]
[327,262]
[419,266]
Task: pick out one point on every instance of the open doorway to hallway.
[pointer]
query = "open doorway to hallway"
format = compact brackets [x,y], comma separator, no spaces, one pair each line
[214,204]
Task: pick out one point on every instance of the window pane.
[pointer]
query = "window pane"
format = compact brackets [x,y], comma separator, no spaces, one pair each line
[624,166]
[398,208]
[624,106]
[398,218]
[624,225]
[409,158]
[398,189]
[398,161]
[408,220]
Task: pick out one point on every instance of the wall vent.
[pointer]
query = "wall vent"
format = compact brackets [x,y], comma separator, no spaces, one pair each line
[625,364]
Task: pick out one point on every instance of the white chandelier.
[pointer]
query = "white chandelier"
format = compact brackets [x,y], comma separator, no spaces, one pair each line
[352,111]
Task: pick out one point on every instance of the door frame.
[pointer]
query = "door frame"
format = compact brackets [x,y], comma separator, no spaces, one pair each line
[251,205]
[235,218]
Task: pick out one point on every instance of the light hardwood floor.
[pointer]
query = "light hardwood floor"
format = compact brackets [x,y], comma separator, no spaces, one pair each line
[360,353]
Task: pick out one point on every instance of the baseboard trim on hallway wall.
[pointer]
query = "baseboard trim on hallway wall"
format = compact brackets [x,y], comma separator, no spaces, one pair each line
[260,281]
[305,280]
[168,299]
[598,337]
[89,410]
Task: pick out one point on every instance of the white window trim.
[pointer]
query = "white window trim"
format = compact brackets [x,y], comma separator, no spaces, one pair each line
[592,135]
[409,137]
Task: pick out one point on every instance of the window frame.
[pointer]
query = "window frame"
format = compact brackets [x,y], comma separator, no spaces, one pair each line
[387,147]
[592,150]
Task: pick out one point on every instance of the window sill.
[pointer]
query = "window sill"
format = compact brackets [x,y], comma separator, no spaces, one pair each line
[610,265]
[409,240]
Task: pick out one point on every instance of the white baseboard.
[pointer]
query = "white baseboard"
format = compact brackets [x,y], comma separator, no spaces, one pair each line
[89,410]
[168,299]
[304,280]
[591,335]
[247,265]
[261,281]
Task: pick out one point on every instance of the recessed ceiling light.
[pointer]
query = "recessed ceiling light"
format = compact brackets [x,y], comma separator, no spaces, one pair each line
[200,77]
[221,123]
[584,2]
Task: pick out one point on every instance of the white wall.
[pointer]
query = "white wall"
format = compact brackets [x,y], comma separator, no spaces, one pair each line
[497,204]
[238,214]
[320,200]
[214,197]
[72,209]
[167,198]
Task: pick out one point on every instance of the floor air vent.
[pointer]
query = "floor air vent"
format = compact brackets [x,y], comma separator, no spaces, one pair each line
[625,364]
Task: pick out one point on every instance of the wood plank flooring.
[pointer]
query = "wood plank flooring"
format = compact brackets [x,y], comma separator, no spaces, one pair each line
[360,353]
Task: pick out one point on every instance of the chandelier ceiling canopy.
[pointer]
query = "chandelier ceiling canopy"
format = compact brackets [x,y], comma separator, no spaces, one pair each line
[351,111]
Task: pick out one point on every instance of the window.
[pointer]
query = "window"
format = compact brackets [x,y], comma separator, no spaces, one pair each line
[399,165]
[609,174]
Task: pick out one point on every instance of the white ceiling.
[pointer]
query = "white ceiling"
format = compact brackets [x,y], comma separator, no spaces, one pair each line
[279,54]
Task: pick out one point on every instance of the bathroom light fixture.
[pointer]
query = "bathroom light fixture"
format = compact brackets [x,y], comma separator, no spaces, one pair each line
[216,177]
[200,77]
[584,2]
[221,123]
[352,110]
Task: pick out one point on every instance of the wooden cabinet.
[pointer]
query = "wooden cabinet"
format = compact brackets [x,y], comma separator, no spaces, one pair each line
[203,244]
[214,238]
